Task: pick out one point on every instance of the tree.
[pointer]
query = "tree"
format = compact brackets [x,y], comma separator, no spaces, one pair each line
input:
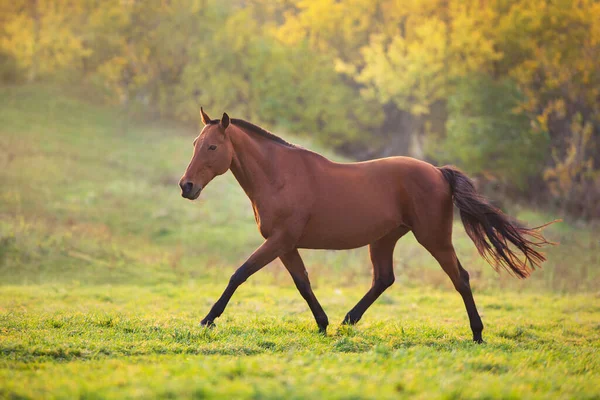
[486,138]
[253,75]
[552,51]
[42,36]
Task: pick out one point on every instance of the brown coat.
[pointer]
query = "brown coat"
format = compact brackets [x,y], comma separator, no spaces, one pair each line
[303,200]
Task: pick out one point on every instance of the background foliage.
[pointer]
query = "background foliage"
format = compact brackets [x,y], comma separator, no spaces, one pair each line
[505,89]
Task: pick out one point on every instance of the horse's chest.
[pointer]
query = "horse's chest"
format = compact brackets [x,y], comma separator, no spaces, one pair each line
[263,220]
[280,212]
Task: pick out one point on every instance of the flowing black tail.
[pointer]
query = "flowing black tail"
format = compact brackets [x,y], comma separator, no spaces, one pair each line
[491,230]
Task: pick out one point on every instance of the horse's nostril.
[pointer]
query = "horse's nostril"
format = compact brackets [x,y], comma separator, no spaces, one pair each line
[186,187]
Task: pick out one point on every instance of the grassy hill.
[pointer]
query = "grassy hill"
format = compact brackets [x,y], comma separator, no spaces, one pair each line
[86,198]
[91,197]
[105,272]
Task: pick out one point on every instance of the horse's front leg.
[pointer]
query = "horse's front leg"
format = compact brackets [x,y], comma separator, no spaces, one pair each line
[272,248]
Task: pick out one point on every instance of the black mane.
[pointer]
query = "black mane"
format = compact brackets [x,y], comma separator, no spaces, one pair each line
[256,129]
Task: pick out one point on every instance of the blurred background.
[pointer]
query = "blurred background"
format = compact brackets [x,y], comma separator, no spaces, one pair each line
[100,105]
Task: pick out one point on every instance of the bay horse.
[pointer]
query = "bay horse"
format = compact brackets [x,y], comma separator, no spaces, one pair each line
[303,200]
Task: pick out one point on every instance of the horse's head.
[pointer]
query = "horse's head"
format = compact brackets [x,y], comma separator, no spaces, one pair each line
[212,156]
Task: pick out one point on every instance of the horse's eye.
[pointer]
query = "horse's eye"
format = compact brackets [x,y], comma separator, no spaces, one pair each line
[212,147]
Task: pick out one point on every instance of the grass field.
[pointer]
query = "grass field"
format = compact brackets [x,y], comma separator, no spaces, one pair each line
[132,341]
[105,273]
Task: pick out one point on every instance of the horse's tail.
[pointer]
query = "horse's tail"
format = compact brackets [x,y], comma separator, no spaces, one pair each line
[492,231]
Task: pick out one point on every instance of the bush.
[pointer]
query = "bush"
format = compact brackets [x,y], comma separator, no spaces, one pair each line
[485,135]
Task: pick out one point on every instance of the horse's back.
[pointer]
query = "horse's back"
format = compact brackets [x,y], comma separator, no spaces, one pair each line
[357,203]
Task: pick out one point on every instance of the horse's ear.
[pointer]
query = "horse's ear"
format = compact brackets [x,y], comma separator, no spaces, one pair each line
[205,117]
[225,121]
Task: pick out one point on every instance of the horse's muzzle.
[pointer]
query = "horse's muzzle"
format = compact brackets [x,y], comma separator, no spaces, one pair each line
[189,190]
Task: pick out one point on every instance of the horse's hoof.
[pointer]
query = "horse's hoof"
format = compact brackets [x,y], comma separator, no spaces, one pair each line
[349,320]
[478,340]
[208,323]
[323,330]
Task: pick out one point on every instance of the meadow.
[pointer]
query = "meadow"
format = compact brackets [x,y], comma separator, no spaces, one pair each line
[105,273]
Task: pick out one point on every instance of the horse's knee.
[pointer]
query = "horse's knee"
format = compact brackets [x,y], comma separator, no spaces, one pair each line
[303,287]
[463,273]
[240,276]
[385,282]
[462,286]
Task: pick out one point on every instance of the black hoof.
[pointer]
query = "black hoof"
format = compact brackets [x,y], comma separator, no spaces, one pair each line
[209,323]
[322,323]
[478,339]
[349,320]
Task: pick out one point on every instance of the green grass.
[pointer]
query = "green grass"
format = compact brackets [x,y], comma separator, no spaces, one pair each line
[132,341]
[105,273]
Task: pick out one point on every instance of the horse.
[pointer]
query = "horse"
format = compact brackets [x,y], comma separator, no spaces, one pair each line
[302,200]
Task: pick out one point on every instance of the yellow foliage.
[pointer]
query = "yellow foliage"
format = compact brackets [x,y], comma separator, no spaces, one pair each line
[417,66]
[407,58]
[573,171]
[43,38]
[337,27]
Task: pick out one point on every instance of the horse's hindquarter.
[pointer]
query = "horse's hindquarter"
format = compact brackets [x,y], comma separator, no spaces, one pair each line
[357,203]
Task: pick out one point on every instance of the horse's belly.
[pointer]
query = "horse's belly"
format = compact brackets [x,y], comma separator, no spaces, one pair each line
[347,230]
[354,206]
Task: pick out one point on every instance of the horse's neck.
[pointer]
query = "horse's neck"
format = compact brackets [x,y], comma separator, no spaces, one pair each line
[252,163]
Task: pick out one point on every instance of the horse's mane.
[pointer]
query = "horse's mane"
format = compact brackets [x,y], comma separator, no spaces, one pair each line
[258,130]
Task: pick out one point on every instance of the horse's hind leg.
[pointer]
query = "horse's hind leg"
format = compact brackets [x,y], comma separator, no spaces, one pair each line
[467,295]
[293,263]
[381,253]
[440,247]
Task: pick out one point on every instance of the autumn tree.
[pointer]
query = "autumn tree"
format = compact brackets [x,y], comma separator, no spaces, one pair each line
[44,36]
[508,90]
